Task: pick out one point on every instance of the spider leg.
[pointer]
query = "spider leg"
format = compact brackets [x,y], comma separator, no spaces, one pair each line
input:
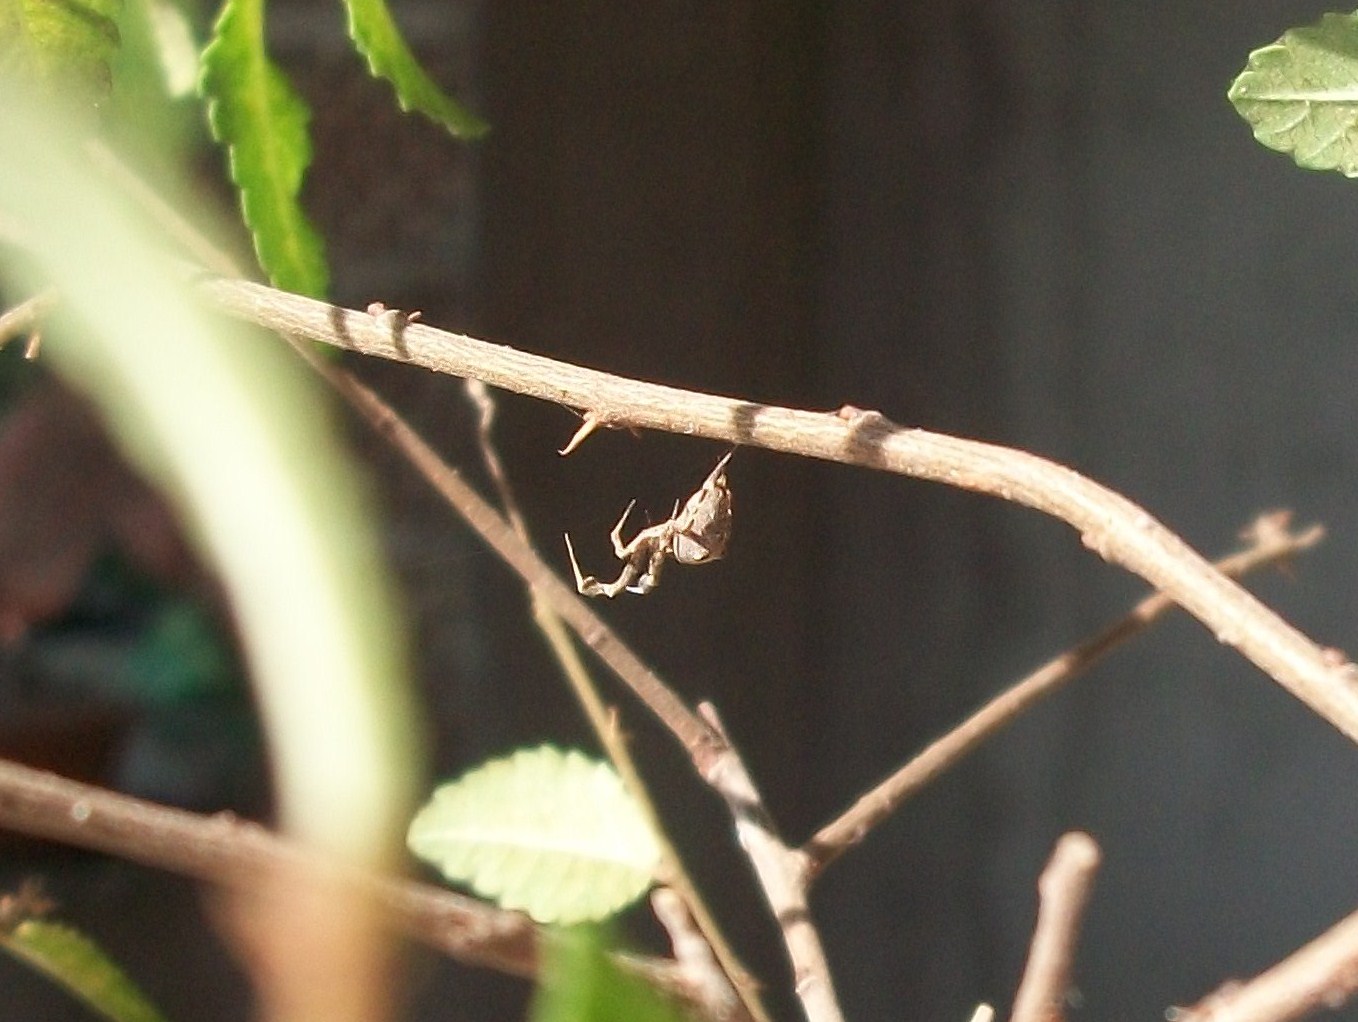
[623,550]
[588,585]
[650,578]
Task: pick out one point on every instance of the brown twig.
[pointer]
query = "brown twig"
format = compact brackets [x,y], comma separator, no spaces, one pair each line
[1321,975]
[234,853]
[693,953]
[1271,542]
[781,872]
[1063,890]
[1107,522]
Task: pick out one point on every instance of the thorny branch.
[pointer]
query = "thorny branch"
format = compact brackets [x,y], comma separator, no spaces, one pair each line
[1107,522]
[1063,889]
[1271,541]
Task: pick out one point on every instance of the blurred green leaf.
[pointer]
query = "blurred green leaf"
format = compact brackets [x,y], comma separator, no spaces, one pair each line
[580,983]
[254,111]
[1300,94]
[80,966]
[180,656]
[380,42]
[60,42]
[551,833]
[247,449]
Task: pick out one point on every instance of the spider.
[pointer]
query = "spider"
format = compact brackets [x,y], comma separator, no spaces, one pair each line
[696,534]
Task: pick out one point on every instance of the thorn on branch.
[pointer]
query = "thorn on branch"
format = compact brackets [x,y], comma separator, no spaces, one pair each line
[861,416]
[591,423]
[395,317]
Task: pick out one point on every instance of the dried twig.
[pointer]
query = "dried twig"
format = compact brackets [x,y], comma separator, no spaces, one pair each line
[693,954]
[1107,522]
[1063,890]
[781,872]
[1322,975]
[235,854]
[1271,542]
[224,850]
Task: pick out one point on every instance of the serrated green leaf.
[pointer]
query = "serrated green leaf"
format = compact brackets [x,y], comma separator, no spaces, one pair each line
[254,111]
[380,42]
[80,966]
[551,833]
[60,43]
[580,983]
[1300,94]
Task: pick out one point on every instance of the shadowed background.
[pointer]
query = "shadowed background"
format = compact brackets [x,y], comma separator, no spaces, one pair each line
[1039,225]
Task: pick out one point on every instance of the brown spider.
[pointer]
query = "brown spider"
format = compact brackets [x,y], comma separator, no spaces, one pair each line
[696,534]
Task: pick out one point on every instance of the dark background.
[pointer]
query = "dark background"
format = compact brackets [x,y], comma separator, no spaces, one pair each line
[1039,224]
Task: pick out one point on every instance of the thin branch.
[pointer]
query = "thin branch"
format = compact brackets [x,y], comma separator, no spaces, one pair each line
[1271,542]
[228,852]
[693,953]
[1322,975]
[781,872]
[1107,522]
[1063,890]
[225,850]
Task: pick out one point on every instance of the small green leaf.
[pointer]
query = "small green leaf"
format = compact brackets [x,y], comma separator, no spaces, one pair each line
[378,39]
[1300,94]
[551,833]
[75,962]
[60,43]
[580,983]
[256,114]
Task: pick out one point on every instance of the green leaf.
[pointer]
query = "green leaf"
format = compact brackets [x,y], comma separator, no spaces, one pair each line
[580,983]
[77,963]
[56,43]
[262,121]
[549,832]
[1300,95]
[380,42]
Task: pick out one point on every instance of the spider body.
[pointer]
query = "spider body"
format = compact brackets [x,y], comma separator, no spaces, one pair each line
[695,534]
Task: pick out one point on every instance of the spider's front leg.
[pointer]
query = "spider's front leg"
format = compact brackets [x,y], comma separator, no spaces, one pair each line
[588,585]
[622,550]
